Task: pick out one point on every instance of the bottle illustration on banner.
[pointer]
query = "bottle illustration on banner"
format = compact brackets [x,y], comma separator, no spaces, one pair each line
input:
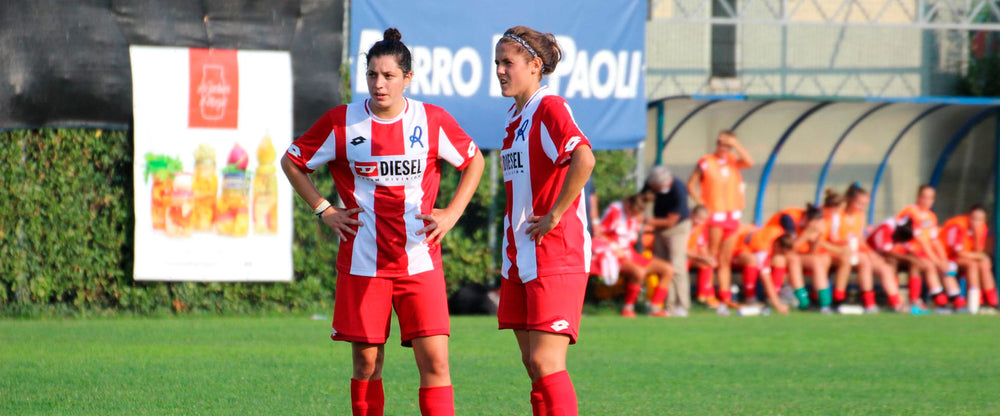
[205,188]
[181,207]
[233,210]
[162,168]
[214,92]
[265,190]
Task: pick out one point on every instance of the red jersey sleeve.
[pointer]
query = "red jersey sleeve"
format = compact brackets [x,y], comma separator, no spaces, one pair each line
[563,133]
[454,145]
[610,218]
[319,145]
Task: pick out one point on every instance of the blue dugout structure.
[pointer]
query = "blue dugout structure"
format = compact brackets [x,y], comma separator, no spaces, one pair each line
[943,126]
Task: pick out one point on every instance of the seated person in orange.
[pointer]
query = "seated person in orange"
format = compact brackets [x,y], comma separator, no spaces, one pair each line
[718,184]
[847,234]
[809,229]
[964,240]
[620,226]
[699,259]
[929,253]
[762,251]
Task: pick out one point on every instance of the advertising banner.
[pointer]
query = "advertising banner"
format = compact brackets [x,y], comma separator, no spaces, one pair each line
[66,62]
[210,201]
[602,72]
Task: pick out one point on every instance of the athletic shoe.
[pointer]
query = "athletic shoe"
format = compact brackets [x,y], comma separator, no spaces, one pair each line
[943,311]
[722,310]
[917,310]
[988,310]
[712,302]
[659,314]
[732,304]
[963,311]
[787,296]
[871,310]
[680,312]
[826,310]
[845,309]
[628,313]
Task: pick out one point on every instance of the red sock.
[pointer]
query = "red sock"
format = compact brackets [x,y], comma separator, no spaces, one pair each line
[959,302]
[705,288]
[895,300]
[750,282]
[840,294]
[632,293]
[867,298]
[537,400]
[915,284]
[940,299]
[437,401]
[778,277]
[990,297]
[659,296]
[367,398]
[560,397]
[725,295]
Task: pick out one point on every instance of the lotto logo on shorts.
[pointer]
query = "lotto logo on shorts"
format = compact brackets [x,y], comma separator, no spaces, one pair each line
[559,325]
[366,168]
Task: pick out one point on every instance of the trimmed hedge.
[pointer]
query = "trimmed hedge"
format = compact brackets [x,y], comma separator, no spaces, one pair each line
[66,229]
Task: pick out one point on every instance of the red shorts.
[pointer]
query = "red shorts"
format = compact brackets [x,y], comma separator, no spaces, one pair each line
[363,307]
[728,221]
[637,258]
[548,304]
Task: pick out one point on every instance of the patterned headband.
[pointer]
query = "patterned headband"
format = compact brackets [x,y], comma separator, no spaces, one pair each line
[523,43]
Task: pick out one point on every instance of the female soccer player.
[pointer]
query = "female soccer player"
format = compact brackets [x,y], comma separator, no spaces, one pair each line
[888,241]
[848,232]
[964,240]
[384,155]
[700,259]
[928,253]
[620,226]
[808,228]
[546,162]
[718,184]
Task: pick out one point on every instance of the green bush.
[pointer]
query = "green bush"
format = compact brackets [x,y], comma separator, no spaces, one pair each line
[66,232]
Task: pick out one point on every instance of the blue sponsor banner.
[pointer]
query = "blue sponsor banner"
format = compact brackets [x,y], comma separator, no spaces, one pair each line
[601,74]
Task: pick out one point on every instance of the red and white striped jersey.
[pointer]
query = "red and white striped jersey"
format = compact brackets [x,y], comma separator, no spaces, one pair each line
[880,239]
[535,158]
[621,230]
[390,169]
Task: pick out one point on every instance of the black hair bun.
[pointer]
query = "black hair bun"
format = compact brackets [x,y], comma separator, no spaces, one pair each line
[392,34]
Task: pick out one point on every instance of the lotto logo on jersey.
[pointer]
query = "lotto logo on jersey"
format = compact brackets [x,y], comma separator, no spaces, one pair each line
[368,169]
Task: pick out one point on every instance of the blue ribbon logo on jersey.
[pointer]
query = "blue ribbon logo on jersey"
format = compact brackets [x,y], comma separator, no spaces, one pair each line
[415,137]
[520,130]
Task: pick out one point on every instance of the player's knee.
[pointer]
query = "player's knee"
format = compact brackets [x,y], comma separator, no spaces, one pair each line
[367,370]
[436,367]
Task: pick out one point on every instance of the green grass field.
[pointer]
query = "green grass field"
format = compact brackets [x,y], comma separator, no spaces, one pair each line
[803,364]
